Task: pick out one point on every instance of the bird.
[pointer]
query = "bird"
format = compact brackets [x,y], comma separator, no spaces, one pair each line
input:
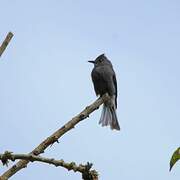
[104,81]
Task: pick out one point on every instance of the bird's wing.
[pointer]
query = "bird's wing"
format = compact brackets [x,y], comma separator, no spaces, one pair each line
[115,84]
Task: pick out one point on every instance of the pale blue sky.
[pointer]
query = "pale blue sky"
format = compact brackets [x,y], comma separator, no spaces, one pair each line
[45,81]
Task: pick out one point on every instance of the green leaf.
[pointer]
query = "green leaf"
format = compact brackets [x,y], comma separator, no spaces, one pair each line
[175,157]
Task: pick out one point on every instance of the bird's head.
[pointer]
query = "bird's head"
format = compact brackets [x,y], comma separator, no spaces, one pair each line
[100,60]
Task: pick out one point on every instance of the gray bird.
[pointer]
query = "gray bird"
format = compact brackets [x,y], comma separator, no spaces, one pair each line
[104,80]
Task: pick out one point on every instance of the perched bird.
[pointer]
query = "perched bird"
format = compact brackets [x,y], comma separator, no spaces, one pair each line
[104,80]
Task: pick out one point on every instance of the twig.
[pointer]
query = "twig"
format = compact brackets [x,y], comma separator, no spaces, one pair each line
[5,42]
[84,169]
[55,136]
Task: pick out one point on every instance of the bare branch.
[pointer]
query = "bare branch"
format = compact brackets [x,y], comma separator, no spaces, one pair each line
[55,136]
[87,174]
[5,43]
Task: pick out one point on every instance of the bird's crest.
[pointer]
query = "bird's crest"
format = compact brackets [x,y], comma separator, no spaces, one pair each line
[101,56]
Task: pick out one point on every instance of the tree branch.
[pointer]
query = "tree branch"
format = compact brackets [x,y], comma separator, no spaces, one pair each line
[5,43]
[87,174]
[55,136]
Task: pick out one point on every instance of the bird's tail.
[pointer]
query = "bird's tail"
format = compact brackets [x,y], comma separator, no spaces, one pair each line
[109,116]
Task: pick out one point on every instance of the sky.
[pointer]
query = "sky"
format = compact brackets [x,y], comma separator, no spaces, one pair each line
[45,81]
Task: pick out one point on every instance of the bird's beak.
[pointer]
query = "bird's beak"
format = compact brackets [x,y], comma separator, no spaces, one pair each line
[91,62]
